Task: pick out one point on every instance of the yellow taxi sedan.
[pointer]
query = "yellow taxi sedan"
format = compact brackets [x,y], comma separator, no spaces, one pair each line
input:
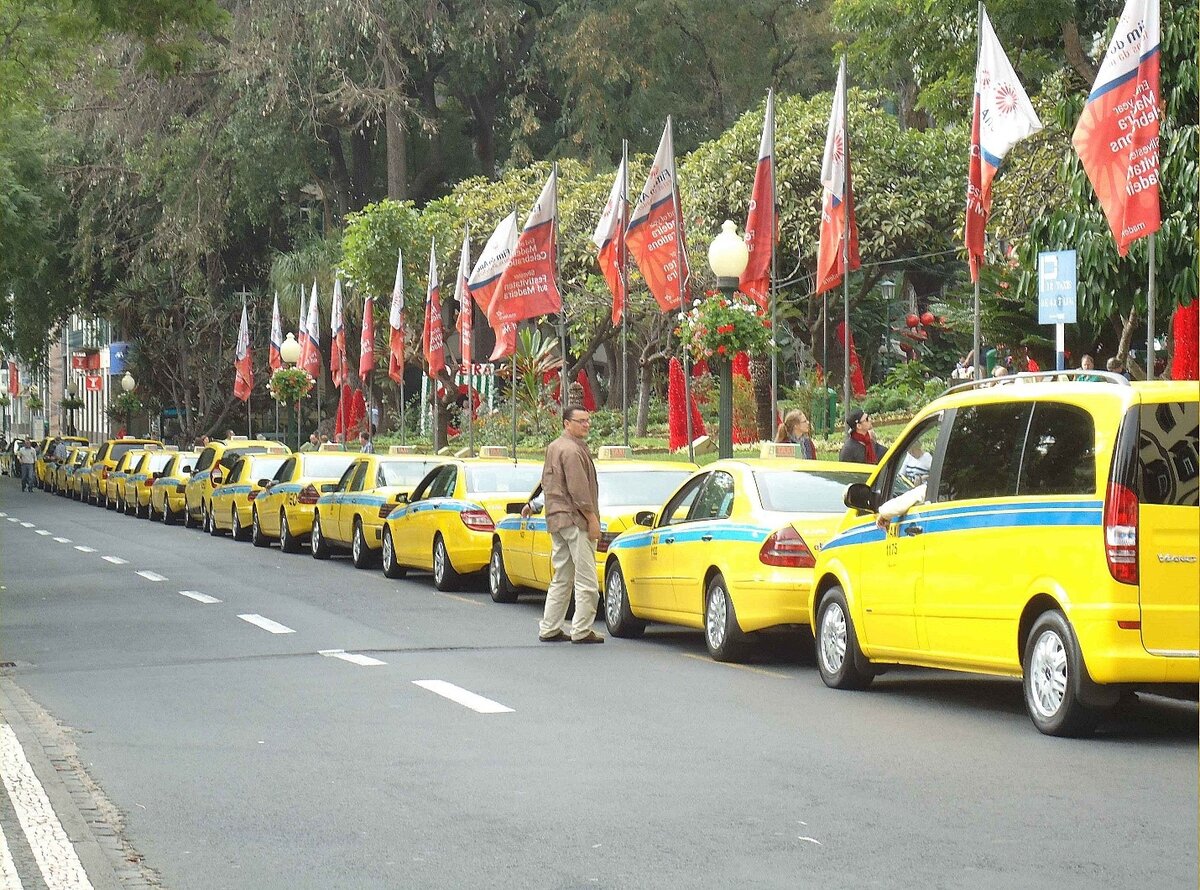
[520,557]
[46,467]
[168,490]
[140,479]
[730,552]
[113,490]
[64,470]
[210,471]
[283,510]
[77,471]
[447,524]
[233,500]
[352,515]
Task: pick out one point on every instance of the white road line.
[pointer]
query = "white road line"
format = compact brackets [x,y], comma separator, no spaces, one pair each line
[198,596]
[152,576]
[42,531]
[56,857]
[83,549]
[27,525]
[463,697]
[63,540]
[8,869]
[267,624]
[352,657]
[2,515]
[13,519]
[115,560]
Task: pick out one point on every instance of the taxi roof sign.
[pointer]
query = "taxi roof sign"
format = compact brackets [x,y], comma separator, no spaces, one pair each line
[332,446]
[402,449]
[778,450]
[492,451]
[614,452]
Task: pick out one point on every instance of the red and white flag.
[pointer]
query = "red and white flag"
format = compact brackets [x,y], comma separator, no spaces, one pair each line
[466,308]
[528,286]
[1117,134]
[1003,117]
[310,352]
[655,234]
[610,238]
[302,319]
[485,276]
[762,227]
[432,343]
[243,363]
[396,324]
[366,340]
[274,359]
[339,368]
[837,197]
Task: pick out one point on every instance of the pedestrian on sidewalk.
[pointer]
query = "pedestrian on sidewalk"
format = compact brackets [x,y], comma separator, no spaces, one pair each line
[27,458]
[572,508]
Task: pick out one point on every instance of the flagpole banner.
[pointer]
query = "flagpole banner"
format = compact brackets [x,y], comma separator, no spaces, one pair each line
[609,237]
[274,358]
[310,353]
[1003,117]
[302,318]
[243,365]
[338,366]
[527,287]
[432,343]
[1117,134]
[366,340]
[655,233]
[837,197]
[396,324]
[761,226]
[485,276]
[462,298]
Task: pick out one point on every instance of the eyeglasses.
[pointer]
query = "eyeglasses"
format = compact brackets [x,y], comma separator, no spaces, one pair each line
[580,420]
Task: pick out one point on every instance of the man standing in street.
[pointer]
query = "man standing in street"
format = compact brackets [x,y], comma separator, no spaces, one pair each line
[573,519]
[27,458]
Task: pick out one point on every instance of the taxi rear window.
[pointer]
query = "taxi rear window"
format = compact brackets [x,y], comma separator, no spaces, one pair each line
[327,465]
[632,488]
[267,467]
[503,478]
[1168,453]
[804,491]
[405,472]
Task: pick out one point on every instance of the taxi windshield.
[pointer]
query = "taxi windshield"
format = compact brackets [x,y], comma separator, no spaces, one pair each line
[267,467]
[804,491]
[325,466]
[157,461]
[502,478]
[405,472]
[632,488]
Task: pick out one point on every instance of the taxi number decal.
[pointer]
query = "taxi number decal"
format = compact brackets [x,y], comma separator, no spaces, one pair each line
[293,499]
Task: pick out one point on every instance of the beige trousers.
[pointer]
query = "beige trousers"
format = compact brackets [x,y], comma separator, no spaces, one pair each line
[573,556]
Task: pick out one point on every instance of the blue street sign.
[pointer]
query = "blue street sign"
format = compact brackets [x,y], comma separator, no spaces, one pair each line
[1056,287]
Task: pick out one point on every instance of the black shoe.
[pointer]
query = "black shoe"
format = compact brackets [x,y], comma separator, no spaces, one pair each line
[557,637]
[592,637]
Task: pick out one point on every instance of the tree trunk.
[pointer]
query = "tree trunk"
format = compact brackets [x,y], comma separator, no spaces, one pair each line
[396,138]
[339,173]
[643,408]
[1076,56]
[360,171]
[760,376]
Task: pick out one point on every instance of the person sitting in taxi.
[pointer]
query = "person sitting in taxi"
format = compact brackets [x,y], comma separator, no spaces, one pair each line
[915,472]
[797,429]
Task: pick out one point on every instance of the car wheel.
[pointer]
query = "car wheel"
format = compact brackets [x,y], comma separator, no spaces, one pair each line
[391,568]
[109,503]
[320,547]
[188,521]
[257,538]
[444,576]
[499,586]
[288,542]
[239,531]
[722,635]
[360,553]
[213,529]
[168,515]
[1052,678]
[840,661]
[617,615]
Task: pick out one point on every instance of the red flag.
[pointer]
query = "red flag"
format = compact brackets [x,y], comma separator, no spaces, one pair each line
[466,308]
[14,379]
[366,340]
[302,319]
[339,368]
[610,238]
[432,344]
[655,234]
[396,324]
[274,359]
[1117,134]
[243,364]
[837,196]
[761,226]
[310,352]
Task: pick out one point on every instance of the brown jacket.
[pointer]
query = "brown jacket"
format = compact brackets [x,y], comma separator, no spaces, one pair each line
[569,484]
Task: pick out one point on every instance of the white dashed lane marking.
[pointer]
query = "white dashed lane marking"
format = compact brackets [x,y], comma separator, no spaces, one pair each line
[267,624]
[83,549]
[198,596]
[63,540]
[42,531]
[464,697]
[352,657]
[8,868]
[115,560]
[26,525]
[13,519]
[151,576]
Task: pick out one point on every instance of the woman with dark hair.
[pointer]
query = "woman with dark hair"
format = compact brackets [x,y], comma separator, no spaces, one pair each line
[860,446]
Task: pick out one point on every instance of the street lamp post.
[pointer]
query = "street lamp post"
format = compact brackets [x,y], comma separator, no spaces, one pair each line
[128,384]
[289,351]
[72,397]
[727,257]
[888,288]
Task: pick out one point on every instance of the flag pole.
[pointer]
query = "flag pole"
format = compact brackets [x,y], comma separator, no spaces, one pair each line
[622,261]
[402,433]
[845,240]
[562,303]
[976,341]
[774,294]
[679,263]
[513,388]
[470,351]
[1150,311]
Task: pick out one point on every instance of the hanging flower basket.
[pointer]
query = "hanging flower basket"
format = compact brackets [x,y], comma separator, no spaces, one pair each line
[289,385]
[71,404]
[120,407]
[34,403]
[5,401]
[720,326]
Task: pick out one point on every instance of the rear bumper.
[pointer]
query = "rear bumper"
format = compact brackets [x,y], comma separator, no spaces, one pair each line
[1115,655]
[771,600]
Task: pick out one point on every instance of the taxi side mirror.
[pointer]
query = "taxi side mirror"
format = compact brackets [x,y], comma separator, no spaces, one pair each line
[644,517]
[328,487]
[263,483]
[514,508]
[156,475]
[859,496]
[401,498]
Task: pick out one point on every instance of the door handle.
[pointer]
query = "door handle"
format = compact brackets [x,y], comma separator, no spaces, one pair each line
[706,538]
[668,540]
[911,530]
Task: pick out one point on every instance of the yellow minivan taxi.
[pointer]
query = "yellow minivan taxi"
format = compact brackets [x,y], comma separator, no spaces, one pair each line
[1036,529]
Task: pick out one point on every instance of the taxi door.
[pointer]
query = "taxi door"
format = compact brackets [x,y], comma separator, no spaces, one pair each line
[692,551]
[522,563]
[655,579]
[333,510]
[414,532]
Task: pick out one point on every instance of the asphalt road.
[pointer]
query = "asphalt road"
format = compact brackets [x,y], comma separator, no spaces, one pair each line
[241,758]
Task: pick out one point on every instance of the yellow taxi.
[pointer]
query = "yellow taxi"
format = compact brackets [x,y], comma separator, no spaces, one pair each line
[76,473]
[169,486]
[731,551]
[46,468]
[283,510]
[352,514]
[114,485]
[214,462]
[140,478]
[233,499]
[1054,537]
[64,470]
[447,524]
[95,478]
[520,557]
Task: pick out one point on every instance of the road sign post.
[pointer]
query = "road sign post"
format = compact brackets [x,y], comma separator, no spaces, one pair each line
[1056,297]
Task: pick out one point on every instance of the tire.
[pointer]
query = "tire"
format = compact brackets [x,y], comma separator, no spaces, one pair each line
[320,547]
[1052,676]
[210,522]
[109,503]
[288,542]
[617,615]
[444,576]
[360,554]
[169,516]
[391,568]
[257,538]
[188,521]
[499,586]
[839,659]
[722,635]
[240,532]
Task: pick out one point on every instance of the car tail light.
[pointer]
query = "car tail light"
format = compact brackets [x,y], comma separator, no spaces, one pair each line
[1121,533]
[385,510]
[606,538]
[477,520]
[148,481]
[216,478]
[309,495]
[253,494]
[786,548]
[104,474]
